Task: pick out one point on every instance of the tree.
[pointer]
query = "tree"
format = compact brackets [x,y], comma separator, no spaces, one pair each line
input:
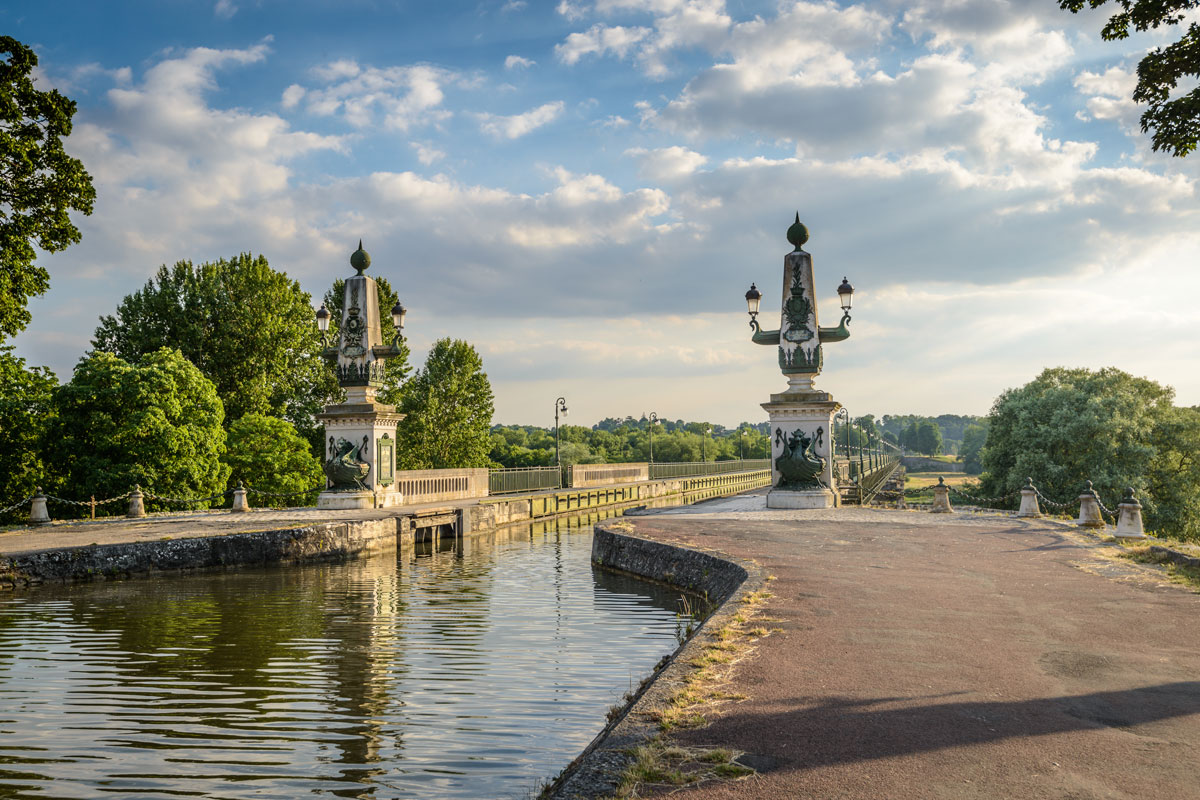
[39,183]
[267,453]
[249,328]
[157,423]
[395,369]
[25,411]
[1068,426]
[974,438]
[1175,122]
[449,408]
[1173,479]
[929,438]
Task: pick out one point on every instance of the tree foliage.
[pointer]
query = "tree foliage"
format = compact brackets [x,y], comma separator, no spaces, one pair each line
[972,450]
[249,328]
[1175,121]
[267,453]
[39,182]
[25,411]
[449,408]
[395,369]
[1069,426]
[157,423]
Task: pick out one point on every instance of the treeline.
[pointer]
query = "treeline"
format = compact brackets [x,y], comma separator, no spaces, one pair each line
[210,375]
[617,441]
[1069,426]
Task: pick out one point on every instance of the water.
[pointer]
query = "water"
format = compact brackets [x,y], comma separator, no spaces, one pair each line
[469,672]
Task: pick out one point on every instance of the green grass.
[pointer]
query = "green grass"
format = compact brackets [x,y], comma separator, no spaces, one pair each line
[1176,573]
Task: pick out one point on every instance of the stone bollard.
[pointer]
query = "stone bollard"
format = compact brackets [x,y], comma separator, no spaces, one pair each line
[900,504]
[941,498]
[1129,518]
[1029,502]
[239,499]
[136,507]
[38,513]
[1089,509]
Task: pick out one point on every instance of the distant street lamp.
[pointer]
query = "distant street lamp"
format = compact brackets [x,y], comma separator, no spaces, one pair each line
[559,405]
[653,420]
[323,324]
[398,314]
[844,414]
[703,439]
[742,445]
[753,298]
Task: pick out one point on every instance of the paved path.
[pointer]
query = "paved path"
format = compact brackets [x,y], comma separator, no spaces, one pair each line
[976,656]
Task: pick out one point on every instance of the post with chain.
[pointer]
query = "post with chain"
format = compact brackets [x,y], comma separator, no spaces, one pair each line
[92,504]
[136,507]
[38,513]
[941,498]
[1029,501]
[240,504]
[1129,521]
[1089,509]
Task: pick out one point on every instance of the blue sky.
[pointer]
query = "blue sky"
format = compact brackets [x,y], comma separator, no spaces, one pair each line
[585,189]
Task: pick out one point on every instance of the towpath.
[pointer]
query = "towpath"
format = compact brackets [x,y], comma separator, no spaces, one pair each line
[929,656]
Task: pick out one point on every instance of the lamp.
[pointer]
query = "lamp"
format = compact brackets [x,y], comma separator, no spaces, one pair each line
[323,324]
[398,312]
[845,294]
[753,298]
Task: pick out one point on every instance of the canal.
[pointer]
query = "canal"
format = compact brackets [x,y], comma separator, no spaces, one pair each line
[471,669]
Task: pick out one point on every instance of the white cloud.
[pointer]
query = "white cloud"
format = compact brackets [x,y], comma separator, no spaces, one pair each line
[513,5]
[1110,96]
[225,9]
[572,10]
[667,163]
[427,154]
[517,125]
[517,62]
[404,96]
[292,96]
[599,40]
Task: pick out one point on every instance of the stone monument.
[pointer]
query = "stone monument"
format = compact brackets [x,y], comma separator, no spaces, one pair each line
[801,416]
[360,434]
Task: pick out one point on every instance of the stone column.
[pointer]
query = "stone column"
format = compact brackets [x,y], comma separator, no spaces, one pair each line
[240,504]
[941,498]
[802,449]
[38,513]
[137,508]
[1129,518]
[1029,502]
[1089,509]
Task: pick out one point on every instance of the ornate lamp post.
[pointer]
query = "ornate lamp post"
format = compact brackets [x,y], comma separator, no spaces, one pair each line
[703,441]
[742,445]
[559,405]
[653,422]
[801,417]
[360,455]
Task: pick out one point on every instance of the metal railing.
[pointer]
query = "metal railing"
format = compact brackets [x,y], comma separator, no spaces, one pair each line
[691,469]
[523,479]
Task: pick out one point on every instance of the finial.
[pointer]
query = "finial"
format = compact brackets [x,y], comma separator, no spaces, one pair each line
[797,234]
[360,259]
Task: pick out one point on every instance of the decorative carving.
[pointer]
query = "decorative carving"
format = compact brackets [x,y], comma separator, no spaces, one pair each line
[355,328]
[345,467]
[797,311]
[366,373]
[799,466]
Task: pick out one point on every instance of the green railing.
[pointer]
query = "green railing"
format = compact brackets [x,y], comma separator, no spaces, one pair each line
[523,479]
[691,469]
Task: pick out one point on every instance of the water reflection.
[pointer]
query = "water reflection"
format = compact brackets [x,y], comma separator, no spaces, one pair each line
[454,669]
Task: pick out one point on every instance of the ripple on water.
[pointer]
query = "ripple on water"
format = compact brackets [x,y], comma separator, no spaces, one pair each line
[474,672]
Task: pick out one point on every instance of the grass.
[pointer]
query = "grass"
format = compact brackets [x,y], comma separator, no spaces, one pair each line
[659,764]
[924,480]
[1177,573]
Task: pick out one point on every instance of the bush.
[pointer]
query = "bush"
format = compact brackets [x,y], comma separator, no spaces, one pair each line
[267,453]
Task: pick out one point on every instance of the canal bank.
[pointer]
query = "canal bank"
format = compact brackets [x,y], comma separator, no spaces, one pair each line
[119,548]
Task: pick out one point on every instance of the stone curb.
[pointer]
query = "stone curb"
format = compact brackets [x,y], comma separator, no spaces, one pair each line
[725,580]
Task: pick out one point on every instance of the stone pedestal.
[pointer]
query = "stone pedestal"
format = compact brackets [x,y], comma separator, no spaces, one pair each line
[1029,503]
[362,431]
[38,513]
[1129,518]
[240,504]
[1089,510]
[941,499]
[807,412]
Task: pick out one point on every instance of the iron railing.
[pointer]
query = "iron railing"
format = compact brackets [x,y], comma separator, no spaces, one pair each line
[690,469]
[523,479]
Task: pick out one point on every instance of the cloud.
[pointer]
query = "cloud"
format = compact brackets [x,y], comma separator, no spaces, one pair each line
[427,154]
[225,9]
[517,62]
[599,40]
[517,125]
[400,97]
[667,163]
[1109,96]
[513,5]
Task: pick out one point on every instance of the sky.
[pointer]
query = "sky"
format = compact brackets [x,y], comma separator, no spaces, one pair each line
[585,189]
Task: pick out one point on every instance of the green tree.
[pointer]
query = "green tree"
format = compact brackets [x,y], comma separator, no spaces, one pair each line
[1068,426]
[1173,478]
[1175,121]
[929,438]
[396,369]
[157,423]
[25,411]
[39,182]
[267,453]
[449,408]
[249,328]
[974,438]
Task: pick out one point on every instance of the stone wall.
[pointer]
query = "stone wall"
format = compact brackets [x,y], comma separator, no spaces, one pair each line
[439,485]
[587,475]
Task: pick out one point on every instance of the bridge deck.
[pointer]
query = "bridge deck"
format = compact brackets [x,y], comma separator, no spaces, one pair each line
[930,656]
